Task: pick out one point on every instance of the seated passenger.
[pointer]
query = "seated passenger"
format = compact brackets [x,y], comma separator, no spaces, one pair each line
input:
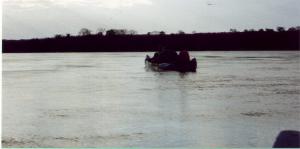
[168,56]
[155,58]
[184,57]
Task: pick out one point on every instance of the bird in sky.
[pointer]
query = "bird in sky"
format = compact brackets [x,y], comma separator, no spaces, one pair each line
[210,3]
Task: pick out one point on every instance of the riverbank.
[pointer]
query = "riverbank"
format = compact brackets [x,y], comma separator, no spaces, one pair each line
[226,41]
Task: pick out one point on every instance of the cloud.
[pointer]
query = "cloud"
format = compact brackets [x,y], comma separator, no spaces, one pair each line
[110,4]
[25,3]
[121,3]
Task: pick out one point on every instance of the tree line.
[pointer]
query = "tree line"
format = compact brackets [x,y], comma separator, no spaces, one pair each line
[110,32]
[103,31]
[117,40]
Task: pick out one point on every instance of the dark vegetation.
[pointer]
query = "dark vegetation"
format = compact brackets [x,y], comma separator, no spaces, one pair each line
[118,40]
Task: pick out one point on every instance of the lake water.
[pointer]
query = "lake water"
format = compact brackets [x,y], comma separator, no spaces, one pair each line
[235,99]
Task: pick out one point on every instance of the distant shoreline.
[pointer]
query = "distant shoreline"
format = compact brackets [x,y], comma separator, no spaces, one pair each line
[225,41]
[157,50]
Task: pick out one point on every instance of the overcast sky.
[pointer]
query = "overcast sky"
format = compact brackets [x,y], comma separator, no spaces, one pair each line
[45,18]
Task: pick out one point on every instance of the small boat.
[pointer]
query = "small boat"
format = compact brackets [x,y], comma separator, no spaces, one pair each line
[189,67]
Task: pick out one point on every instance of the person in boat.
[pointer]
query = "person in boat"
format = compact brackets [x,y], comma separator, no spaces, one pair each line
[183,57]
[168,56]
[155,58]
[164,56]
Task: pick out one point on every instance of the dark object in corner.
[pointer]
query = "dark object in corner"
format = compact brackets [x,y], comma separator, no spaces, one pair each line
[288,139]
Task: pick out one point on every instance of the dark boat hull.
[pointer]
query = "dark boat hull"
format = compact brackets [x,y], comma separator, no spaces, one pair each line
[189,67]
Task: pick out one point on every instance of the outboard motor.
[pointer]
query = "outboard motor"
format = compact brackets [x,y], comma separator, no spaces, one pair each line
[147,58]
[193,64]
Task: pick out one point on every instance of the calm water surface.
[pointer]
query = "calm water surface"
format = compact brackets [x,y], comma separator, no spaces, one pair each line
[235,99]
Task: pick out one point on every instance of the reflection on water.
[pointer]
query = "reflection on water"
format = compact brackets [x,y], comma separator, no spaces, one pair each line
[235,99]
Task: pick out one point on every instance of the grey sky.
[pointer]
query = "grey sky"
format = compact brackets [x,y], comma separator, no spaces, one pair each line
[44,18]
